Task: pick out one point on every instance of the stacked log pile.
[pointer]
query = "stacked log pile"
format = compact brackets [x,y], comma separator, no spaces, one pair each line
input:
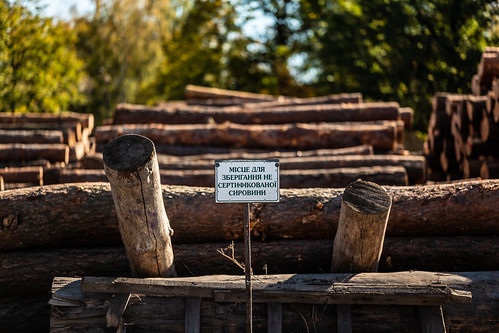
[32,145]
[72,230]
[213,124]
[463,132]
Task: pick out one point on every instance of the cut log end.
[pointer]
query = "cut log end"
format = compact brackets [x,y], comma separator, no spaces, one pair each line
[128,152]
[366,197]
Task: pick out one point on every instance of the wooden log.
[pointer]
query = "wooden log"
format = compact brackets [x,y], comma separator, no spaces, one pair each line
[83,214]
[340,177]
[489,129]
[141,114]
[407,116]
[94,161]
[364,212]
[2,186]
[489,169]
[475,148]
[295,136]
[472,168]
[132,169]
[71,306]
[290,101]
[30,136]
[33,151]
[199,92]
[475,105]
[414,165]
[29,174]
[71,131]
[85,119]
[30,272]
[488,68]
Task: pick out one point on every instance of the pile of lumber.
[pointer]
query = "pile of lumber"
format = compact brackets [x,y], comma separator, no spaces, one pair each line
[32,145]
[72,230]
[463,132]
[320,141]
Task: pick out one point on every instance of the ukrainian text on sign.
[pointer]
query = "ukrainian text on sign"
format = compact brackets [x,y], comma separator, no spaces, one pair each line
[247,181]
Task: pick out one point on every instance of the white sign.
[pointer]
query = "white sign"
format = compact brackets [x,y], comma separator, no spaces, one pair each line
[246,181]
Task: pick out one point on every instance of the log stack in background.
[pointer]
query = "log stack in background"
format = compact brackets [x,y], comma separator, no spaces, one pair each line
[306,134]
[34,146]
[463,131]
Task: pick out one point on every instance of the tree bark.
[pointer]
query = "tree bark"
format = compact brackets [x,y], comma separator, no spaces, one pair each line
[199,92]
[28,174]
[132,169]
[30,272]
[289,101]
[94,161]
[364,212]
[34,151]
[85,119]
[140,114]
[84,214]
[30,136]
[381,136]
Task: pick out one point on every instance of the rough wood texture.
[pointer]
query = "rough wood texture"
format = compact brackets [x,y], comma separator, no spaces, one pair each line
[479,316]
[364,212]
[86,120]
[34,151]
[95,161]
[84,214]
[141,114]
[27,174]
[29,272]
[132,169]
[199,92]
[410,288]
[381,136]
[30,136]
[290,101]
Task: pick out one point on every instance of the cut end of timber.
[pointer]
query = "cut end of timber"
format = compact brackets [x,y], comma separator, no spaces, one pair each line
[128,152]
[366,197]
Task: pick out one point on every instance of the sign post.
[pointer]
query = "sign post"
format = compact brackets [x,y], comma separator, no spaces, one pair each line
[247,181]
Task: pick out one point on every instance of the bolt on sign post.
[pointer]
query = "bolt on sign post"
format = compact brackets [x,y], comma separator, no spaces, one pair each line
[247,181]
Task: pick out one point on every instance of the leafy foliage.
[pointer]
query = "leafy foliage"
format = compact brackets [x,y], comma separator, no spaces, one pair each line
[39,70]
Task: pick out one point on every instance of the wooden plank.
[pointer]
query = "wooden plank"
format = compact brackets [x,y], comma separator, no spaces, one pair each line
[233,290]
[344,312]
[192,314]
[274,317]
[431,319]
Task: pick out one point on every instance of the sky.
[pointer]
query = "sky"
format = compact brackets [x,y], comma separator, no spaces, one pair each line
[62,8]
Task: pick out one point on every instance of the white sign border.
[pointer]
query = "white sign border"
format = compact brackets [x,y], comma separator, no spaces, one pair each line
[277,165]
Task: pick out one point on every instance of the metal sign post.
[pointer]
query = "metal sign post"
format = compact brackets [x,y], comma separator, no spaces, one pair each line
[247,181]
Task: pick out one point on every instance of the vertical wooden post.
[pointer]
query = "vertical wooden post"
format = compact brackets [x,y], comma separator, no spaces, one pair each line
[247,268]
[131,166]
[357,247]
[364,212]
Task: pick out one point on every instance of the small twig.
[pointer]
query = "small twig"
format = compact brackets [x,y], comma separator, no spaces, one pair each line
[304,320]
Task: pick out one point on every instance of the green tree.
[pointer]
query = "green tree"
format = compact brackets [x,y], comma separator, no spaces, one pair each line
[121,44]
[402,50]
[39,71]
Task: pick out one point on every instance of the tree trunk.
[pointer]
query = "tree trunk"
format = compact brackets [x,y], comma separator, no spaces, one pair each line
[30,272]
[84,215]
[364,212]
[199,92]
[85,119]
[132,169]
[381,136]
[34,151]
[30,136]
[139,114]
[293,101]
[95,161]
[29,174]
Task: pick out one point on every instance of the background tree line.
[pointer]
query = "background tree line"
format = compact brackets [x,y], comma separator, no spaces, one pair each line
[147,51]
